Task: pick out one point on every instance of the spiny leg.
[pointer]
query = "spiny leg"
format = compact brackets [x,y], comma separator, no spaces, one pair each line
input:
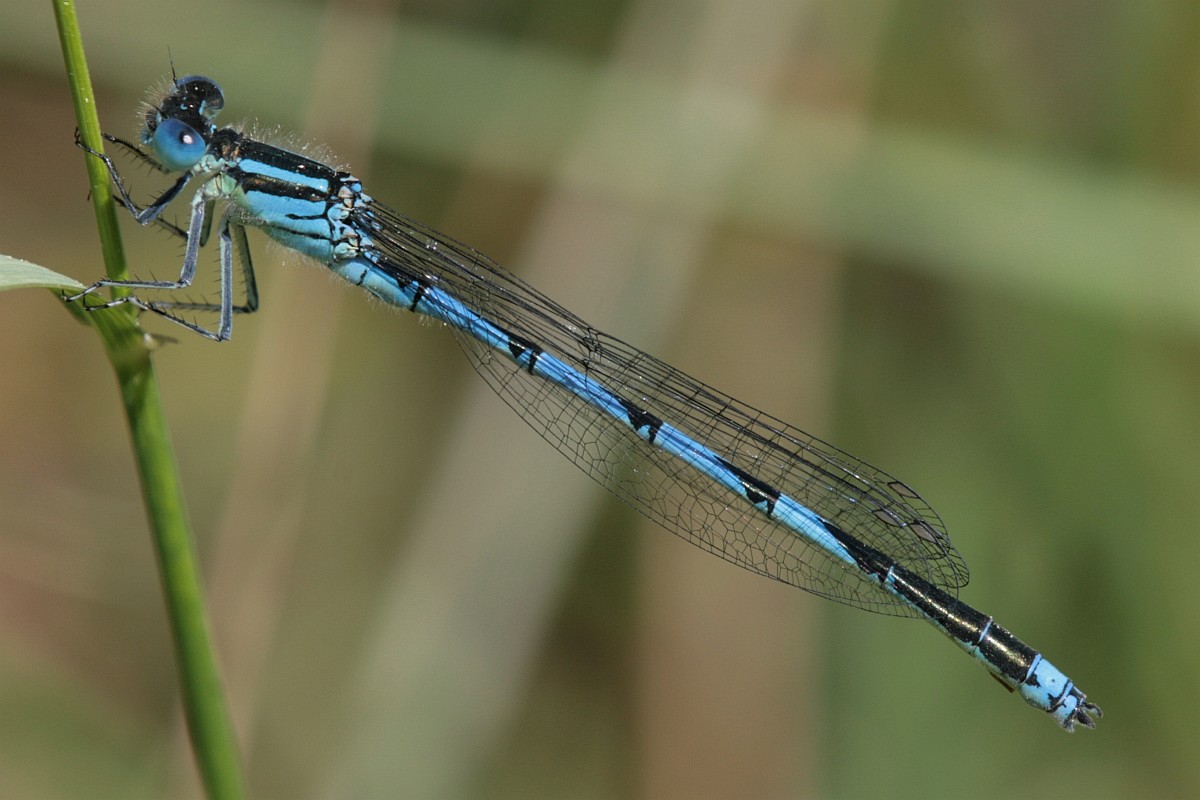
[231,238]
[151,212]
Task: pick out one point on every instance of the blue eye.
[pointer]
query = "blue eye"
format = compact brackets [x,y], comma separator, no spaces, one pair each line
[178,145]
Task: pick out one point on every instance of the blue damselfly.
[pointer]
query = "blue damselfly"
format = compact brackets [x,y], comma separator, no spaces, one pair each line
[721,474]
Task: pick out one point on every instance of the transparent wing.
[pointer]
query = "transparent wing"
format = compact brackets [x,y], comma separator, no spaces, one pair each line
[866,502]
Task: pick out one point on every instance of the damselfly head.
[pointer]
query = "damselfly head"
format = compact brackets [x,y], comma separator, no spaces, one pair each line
[178,124]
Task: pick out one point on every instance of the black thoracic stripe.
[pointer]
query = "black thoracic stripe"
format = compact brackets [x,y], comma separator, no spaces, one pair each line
[757,490]
[265,184]
[640,418]
[285,160]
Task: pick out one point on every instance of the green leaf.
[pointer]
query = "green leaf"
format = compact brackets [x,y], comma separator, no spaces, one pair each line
[18,274]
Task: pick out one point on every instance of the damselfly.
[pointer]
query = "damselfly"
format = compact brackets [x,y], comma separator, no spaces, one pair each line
[721,474]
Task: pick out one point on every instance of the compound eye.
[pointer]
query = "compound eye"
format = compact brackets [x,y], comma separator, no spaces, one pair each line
[178,145]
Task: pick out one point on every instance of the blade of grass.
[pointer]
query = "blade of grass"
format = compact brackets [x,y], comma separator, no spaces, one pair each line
[205,708]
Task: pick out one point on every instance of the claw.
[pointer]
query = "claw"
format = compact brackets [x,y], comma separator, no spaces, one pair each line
[1083,714]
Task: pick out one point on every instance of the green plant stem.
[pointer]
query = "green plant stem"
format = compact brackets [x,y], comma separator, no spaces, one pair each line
[205,708]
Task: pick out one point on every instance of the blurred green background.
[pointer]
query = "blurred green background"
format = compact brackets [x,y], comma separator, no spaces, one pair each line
[958,239]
